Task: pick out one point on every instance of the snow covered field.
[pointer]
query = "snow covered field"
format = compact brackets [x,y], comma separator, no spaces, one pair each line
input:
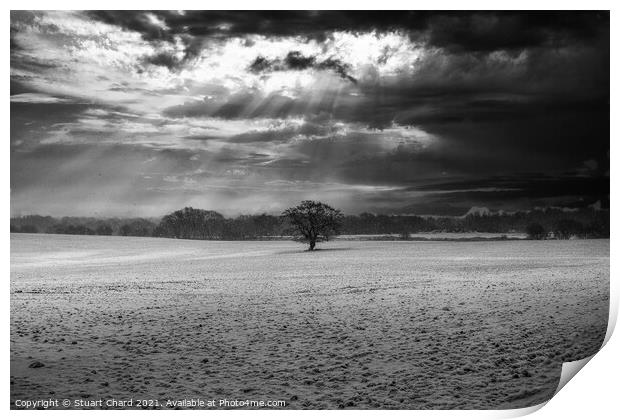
[358,324]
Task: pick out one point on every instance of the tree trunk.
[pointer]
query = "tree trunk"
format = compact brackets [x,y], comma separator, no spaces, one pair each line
[312,245]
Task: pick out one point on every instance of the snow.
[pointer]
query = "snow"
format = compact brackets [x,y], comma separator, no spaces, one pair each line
[357,324]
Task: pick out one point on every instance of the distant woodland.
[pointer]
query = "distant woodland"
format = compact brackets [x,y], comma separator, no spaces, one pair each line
[190,223]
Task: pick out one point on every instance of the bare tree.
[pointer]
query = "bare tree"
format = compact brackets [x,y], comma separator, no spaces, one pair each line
[312,222]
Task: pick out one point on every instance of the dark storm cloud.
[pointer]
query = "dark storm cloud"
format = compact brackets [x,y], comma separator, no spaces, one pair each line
[482,31]
[502,126]
[295,60]
[523,192]
[137,21]
[473,31]
[490,31]
[493,96]
[163,59]
[457,86]
[192,48]
[528,185]
[569,193]
[270,23]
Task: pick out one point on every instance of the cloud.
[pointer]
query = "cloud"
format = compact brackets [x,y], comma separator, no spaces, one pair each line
[295,60]
[492,31]
[477,30]
[39,98]
[363,108]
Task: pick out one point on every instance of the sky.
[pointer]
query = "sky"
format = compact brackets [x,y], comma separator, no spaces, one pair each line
[131,113]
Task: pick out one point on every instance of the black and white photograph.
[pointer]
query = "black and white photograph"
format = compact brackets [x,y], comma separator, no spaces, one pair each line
[306,209]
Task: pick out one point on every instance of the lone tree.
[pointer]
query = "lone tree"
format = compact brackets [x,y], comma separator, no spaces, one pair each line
[313,222]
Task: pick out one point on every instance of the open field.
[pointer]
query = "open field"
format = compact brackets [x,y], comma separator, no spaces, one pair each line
[358,324]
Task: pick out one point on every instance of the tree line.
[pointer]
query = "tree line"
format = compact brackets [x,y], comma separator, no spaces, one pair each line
[191,223]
